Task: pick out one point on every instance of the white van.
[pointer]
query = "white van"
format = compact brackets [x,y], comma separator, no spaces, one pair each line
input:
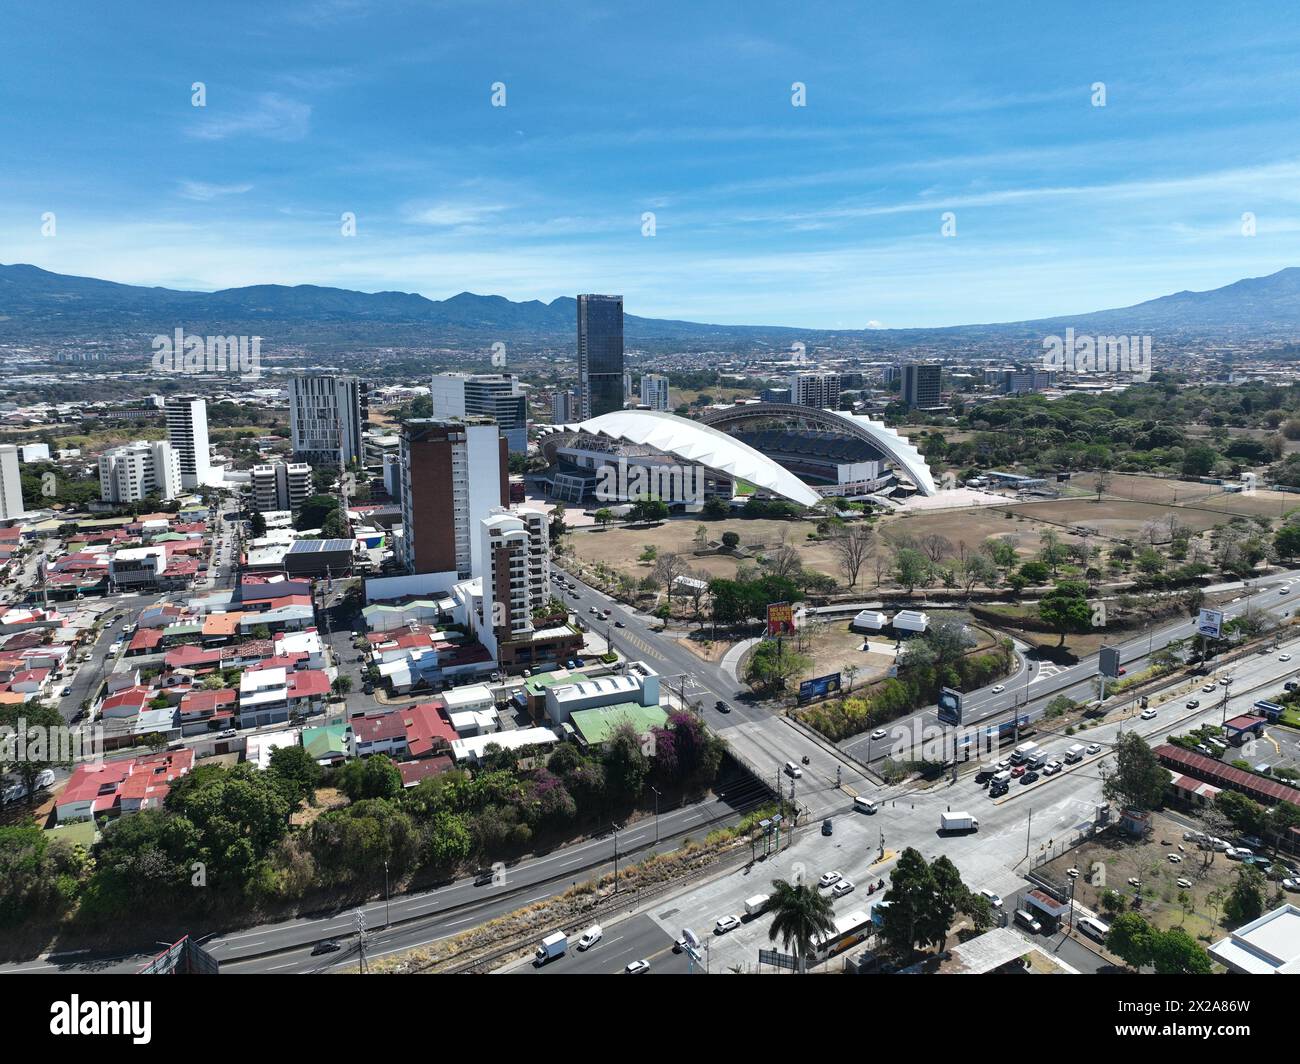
[864,805]
[1001,777]
[590,937]
[793,771]
[1094,929]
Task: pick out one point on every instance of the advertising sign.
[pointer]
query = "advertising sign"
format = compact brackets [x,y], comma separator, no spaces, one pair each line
[819,686]
[949,706]
[1109,662]
[1210,623]
[780,618]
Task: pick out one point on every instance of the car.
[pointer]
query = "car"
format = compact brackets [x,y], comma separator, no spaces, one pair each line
[1122,670]
[1092,748]
[590,937]
[1073,873]
[1028,778]
[841,888]
[879,733]
[1150,714]
[1018,771]
[593,611]
[1052,768]
[1209,689]
[1175,858]
[1293,885]
[1285,589]
[605,613]
[368,688]
[67,690]
[1237,853]
[115,648]
[1093,928]
[721,706]
[619,624]
[1185,883]
[827,827]
[328,945]
[998,688]
[994,900]
[229,733]
[679,944]
[1253,841]
[637,968]
[1193,703]
[573,595]
[1193,836]
[725,924]
[997,790]
[1291,685]
[1284,657]
[1225,680]
[829,878]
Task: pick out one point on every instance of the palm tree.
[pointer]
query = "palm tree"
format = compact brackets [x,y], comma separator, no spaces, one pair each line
[801,916]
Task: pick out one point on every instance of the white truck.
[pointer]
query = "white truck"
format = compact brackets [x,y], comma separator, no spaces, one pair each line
[756,904]
[1023,753]
[1075,754]
[958,822]
[552,946]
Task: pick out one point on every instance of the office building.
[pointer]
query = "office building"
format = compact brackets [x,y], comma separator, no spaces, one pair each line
[280,486]
[138,470]
[11,488]
[454,473]
[494,395]
[187,432]
[821,390]
[565,408]
[600,354]
[326,417]
[1025,379]
[922,384]
[654,391]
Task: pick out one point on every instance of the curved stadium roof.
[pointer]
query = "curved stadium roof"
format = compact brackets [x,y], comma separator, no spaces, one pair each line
[692,441]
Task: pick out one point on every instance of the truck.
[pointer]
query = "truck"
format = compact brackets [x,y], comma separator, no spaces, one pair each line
[552,946]
[1074,754]
[958,822]
[1023,753]
[756,904]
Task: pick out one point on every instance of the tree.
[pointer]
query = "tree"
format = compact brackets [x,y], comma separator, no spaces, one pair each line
[1175,952]
[1286,541]
[801,916]
[1065,608]
[1246,899]
[648,510]
[556,528]
[342,684]
[1131,939]
[295,773]
[1138,780]
[920,911]
[731,540]
[772,664]
[604,517]
[851,547]
[314,510]
[44,746]
[257,524]
[911,568]
[979,569]
[370,777]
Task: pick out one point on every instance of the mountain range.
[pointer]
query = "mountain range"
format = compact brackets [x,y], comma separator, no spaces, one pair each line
[37,304]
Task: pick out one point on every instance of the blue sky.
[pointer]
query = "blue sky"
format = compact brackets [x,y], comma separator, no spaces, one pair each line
[827,215]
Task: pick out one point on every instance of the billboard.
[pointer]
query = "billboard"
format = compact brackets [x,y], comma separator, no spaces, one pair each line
[819,686]
[1210,623]
[949,706]
[1108,663]
[780,618]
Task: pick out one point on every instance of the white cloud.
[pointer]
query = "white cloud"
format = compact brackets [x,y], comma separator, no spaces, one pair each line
[203,191]
[272,115]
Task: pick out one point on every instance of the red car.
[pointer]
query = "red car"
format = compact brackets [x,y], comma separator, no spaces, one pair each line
[1018,771]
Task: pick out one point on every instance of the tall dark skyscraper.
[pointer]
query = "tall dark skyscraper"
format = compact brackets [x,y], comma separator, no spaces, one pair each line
[600,354]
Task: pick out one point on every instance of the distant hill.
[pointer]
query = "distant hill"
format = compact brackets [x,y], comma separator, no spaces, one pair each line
[36,303]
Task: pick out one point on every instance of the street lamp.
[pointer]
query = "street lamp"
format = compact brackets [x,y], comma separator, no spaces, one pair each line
[656,792]
[615,858]
[387,921]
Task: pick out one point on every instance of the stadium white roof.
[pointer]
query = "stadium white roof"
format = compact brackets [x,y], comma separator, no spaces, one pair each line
[693,442]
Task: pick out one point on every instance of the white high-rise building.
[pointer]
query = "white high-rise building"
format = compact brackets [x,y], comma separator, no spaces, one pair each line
[494,395]
[326,418]
[654,391]
[280,486]
[454,473]
[11,487]
[515,551]
[821,390]
[137,470]
[187,432]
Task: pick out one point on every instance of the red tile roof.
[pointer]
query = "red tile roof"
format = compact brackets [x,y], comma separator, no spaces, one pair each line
[310,683]
[415,771]
[378,727]
[1216,772]
[427,729]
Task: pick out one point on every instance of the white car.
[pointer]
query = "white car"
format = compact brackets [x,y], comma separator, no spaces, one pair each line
[1238,853]
[1051,768]
[995,900]
[998,688]
[879,733]
[114,649]
[1185,883]
[637,968]
[1175,858]
[1292,885]
[841,888]
[725,924]
[1284,657]
[829,878]
[1092,748]
[590,937]
[1149,714]
[1209,689]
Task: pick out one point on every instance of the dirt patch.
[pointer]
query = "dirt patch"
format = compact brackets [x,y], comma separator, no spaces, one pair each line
[707,650]
[327,798]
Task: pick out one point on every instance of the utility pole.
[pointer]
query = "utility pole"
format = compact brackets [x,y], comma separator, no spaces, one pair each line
[387,920]
[615,858]
[656,792]
[1029,828]
[359,921]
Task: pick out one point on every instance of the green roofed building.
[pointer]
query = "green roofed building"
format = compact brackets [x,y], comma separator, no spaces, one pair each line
[329,744]
[595,726]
